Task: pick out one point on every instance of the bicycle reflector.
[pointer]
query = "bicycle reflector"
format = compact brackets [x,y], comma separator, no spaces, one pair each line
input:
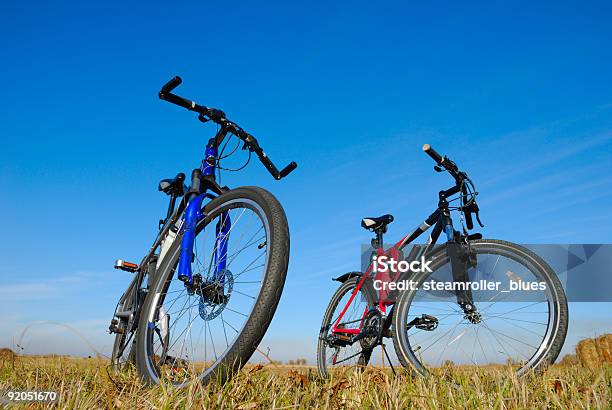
[126,266]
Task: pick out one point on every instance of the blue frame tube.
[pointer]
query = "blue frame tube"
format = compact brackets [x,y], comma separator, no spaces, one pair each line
[210,158]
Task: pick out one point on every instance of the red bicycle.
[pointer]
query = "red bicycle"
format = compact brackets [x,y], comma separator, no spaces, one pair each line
[471,302]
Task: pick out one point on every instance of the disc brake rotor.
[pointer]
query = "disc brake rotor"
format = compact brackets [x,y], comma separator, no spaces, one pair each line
[209,308]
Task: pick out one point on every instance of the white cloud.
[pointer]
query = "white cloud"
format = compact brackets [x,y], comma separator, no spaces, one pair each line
[28,291]
[42,289]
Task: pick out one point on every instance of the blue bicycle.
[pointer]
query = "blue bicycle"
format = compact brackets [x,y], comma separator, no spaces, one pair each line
[202,299]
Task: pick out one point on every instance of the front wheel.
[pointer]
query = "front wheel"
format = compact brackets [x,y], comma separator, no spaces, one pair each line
[519,316]
[210,329]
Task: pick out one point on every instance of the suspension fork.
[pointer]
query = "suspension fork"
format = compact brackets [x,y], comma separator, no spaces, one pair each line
[192,216]
[458,254]
[193,213]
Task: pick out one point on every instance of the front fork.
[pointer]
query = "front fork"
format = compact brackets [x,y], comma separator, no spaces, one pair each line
[461,259]
[201,180]
[222,231]
[192,216]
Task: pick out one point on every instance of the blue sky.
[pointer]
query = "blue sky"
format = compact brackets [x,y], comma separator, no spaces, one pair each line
[519,94]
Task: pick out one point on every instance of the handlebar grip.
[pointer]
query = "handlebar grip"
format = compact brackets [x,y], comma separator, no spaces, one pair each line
[254,146]
[171,85]
[432,153]
[287,170]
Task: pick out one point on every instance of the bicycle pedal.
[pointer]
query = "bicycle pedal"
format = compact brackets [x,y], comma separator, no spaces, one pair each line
[115,328]
[344,337]
[126,266]
[338,340]
[427,322]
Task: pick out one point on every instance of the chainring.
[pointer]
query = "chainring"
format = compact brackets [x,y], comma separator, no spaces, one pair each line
[372,327]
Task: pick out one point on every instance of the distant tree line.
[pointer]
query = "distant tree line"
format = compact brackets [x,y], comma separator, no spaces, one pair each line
[297,362]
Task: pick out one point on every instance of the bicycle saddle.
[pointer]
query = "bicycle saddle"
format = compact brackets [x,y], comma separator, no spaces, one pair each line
[376,223]
[173,186]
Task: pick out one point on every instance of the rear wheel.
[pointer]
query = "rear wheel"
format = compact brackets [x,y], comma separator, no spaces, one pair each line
[330,351]
[524,329]
[210,330]
[124,350]
[123,355]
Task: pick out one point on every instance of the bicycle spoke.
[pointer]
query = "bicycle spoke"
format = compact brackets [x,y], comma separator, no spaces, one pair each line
[212,341]
[244,294]
[232,310]
[224,331]
[521,327]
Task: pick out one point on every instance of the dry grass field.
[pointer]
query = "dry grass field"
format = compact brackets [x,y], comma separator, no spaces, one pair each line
[85,383]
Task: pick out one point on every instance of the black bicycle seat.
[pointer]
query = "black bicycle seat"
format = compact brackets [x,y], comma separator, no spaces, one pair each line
[173,186]
[376,223]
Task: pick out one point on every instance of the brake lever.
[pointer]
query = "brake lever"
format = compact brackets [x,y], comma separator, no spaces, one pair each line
[449,164]
[216,114]
[438,168]
[478,219]
[467,212]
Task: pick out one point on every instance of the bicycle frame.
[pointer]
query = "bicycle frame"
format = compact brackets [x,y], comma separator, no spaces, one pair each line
[440,219]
